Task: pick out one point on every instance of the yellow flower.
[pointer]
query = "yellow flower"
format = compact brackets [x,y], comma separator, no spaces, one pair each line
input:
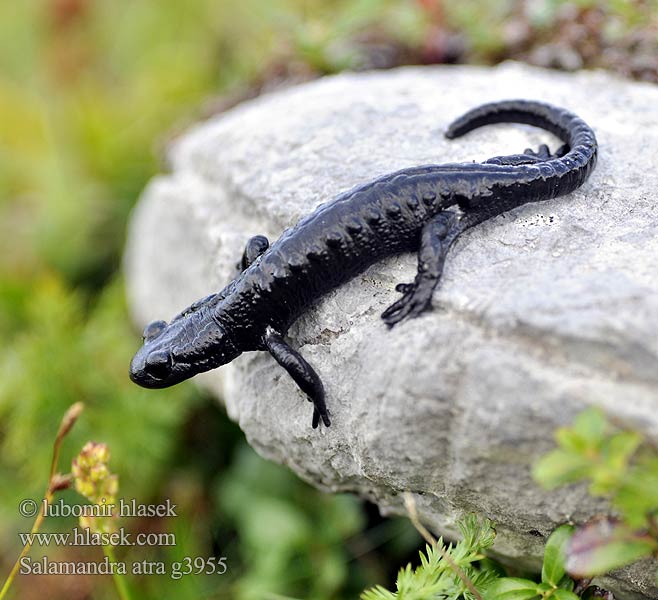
[94,481]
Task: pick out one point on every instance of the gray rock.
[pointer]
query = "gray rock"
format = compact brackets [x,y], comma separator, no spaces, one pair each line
[542,312]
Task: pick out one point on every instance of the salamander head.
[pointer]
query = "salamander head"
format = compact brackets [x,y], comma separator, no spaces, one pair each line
[193,342]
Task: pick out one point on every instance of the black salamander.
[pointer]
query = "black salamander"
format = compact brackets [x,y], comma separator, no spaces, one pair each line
[420,209]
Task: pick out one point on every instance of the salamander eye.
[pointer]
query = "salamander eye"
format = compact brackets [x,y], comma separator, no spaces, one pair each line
[153,329]
[158,364]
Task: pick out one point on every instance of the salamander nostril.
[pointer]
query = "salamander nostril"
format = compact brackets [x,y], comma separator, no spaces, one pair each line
[153,329]
[158,364]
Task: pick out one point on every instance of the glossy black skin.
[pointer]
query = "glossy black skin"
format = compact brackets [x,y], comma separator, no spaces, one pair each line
[422,208]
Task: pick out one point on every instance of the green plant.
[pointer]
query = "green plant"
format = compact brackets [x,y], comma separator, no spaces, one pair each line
[464,572]
[620,465]
[292,539]
[56,482]
[447,572]
[90,476]
[555,583]
[93,480]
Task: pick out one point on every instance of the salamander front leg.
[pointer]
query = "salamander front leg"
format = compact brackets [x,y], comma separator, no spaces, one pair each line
[302,373]
[255,246]
[436,238]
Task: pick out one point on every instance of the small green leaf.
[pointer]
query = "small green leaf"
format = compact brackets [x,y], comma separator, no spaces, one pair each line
[571,441]
[553,569]
[603,545]
[567,583]
[560,594]
[621,447]
[512,588]
[560,467]
[637,497]
[591,425]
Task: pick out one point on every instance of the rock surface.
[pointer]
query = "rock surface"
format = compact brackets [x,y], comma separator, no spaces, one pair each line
[541,312]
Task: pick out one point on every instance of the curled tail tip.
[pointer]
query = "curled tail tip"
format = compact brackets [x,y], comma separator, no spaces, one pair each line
[450,134]
[559,121]
[458,127]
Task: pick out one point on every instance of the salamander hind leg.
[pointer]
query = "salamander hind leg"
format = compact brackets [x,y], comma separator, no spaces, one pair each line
[561,151]
[544,152]
[302,373]
[513,160]
[436,237]
[529,156]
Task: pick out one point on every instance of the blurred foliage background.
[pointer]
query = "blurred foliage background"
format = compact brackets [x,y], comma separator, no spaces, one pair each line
[91,91]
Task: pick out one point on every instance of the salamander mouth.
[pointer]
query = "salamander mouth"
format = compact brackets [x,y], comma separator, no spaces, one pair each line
[157,369]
